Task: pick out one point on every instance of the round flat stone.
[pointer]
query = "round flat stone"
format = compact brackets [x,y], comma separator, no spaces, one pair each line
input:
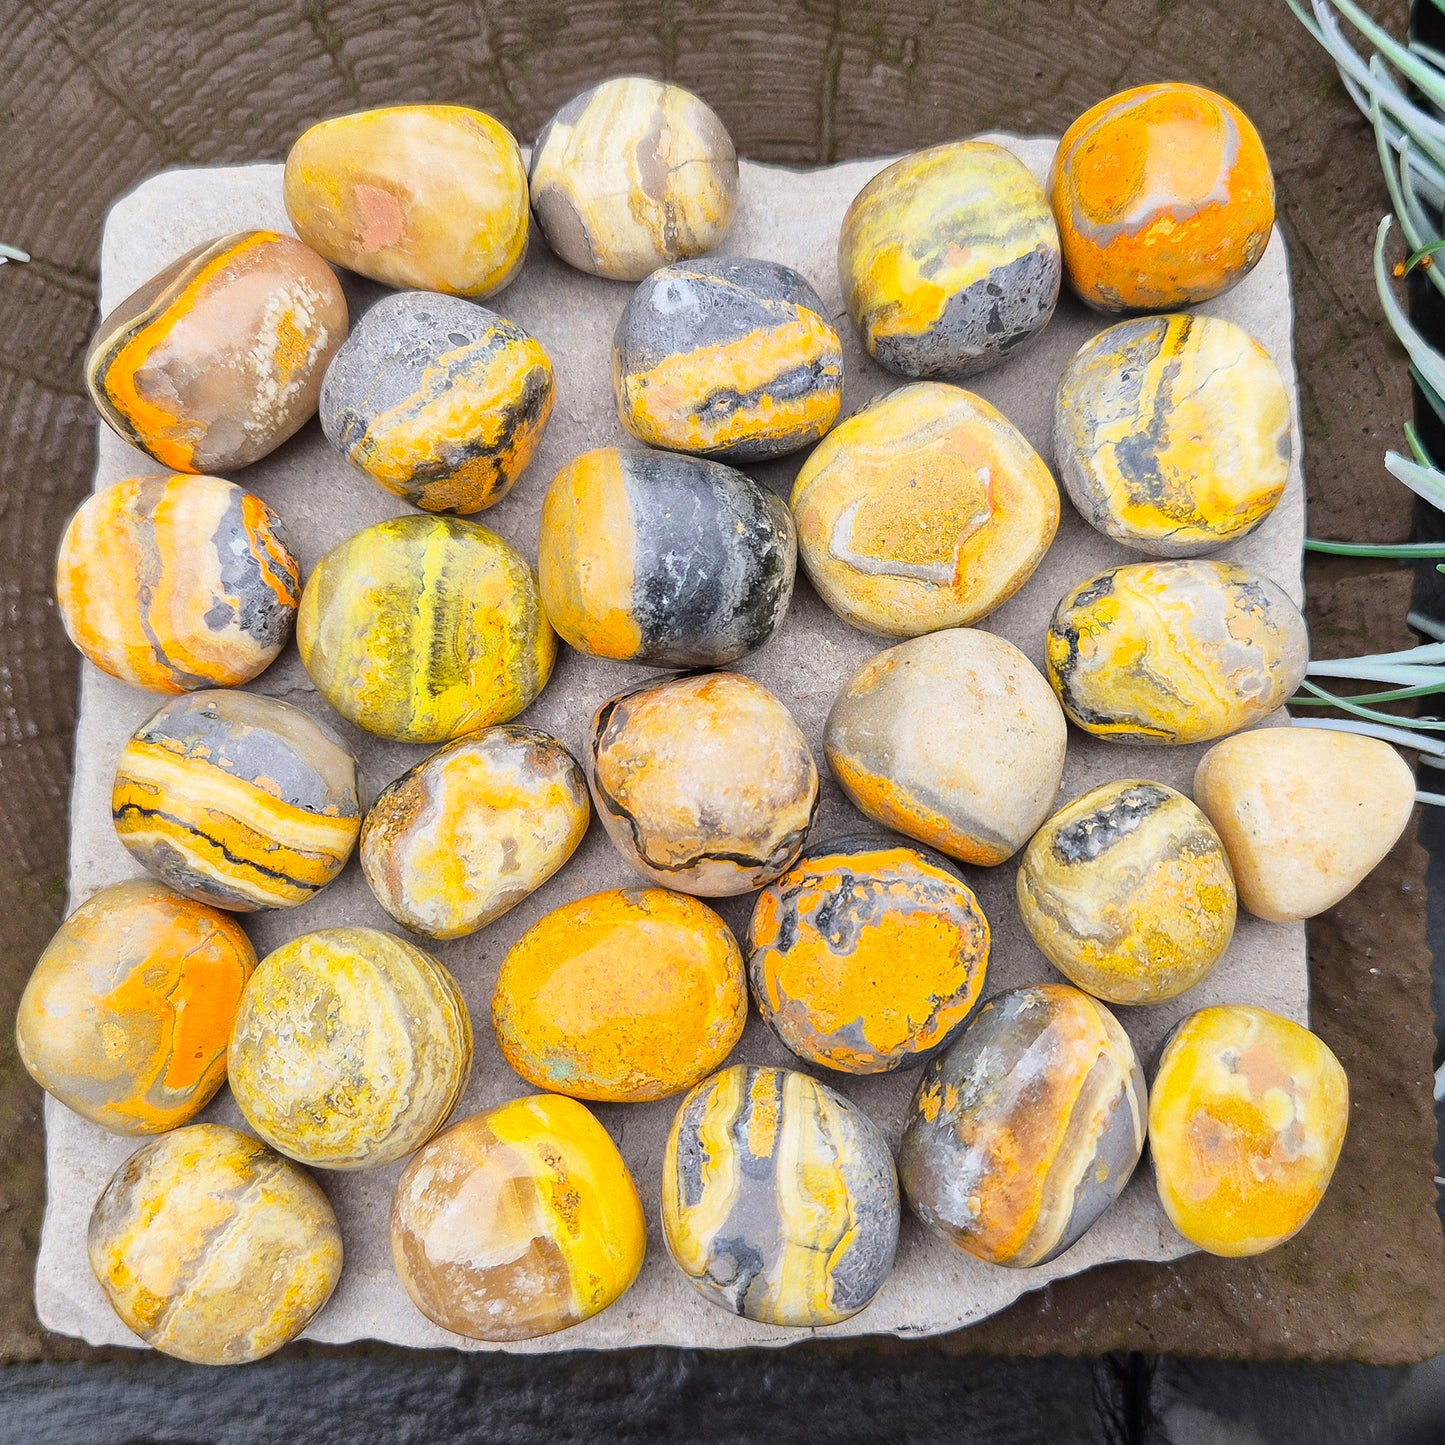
[779,1198]
[926,509]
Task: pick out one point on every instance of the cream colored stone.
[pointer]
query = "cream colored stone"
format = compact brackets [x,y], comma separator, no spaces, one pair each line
[1304,814]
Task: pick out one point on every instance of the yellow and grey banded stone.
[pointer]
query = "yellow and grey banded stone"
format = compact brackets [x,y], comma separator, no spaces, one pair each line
[633,174]
[1172,433]
[237,800]
[953,739]
[438,400]
[1024,1132]
[1174,652]
[128,1012]
[727,357]
[927,508]
[177,582]
[779,1198]
[212,1247]
[518,1222]
[949,260]
[351,1048]
[218,358]
[704,782]
[426,196]
[421,629]
[1128,892]
[472,830]
[669,560]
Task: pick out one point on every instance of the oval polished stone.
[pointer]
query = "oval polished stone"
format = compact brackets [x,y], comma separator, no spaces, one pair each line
[667,560]
[1174,652]
[623,996]
[218,358]
[1163,197]
[421,629]
[727,357]
[517,1222]
[633,174]
[126,1017]
[351,1048]
[1305,814]
[213,1248]
[474,829]
[779,1198]
[427,196]
[237,800]
[953,739]
[949,260]
[177,582]
[867,954]
[1172,433]
[1246,1118]
[1128,893]
[925,509]
[705,783]
[438,400]
[1024,1132]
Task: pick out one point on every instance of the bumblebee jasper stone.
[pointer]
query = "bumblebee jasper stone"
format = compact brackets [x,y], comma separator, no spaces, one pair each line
[438,400]
[779,1198]
[729,358]
[1304,813]
[469,832]
[1128,893]
[350,1048]
[667,560]
[237,800]
[1246,1119]
[218,359]
[867,954]
[517,1222]
[949,260]
[1024,1132]
[212,1247]
[704,782]
[624,996]
[421,629]
[953,739]
[428,196]
[126,1017]
[177,582]
[1163,196]
[633,174]
[925,509]
[1174,652]
[1171,433]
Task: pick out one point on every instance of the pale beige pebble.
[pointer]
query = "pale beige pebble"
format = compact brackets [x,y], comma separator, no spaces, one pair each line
[1304,813]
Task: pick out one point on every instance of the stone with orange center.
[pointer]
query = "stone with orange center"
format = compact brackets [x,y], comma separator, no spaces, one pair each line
[1246,1118]
[953,739]
[432,197]
[469,832]
[128,1012]
[704,782]
[218,358]
[926,509]
[867,954]
[517,1222]
[622,997]
[1163,198]
[1025,1130]
[177,582]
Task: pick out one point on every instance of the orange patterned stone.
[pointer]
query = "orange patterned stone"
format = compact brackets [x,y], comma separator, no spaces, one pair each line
[1163,198]
[127,1015]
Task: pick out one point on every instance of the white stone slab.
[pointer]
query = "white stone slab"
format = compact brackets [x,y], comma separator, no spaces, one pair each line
[787,216]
